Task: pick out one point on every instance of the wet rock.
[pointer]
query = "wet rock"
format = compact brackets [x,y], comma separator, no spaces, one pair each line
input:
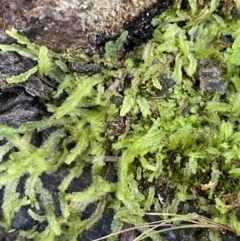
[51,183]
[80,183]
[22,220]
[98,230]
[210,77]
[166,83]
[230,237]
[173,235]
[41,226]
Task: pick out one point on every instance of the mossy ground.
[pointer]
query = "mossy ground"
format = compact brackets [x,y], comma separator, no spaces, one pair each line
[166,113]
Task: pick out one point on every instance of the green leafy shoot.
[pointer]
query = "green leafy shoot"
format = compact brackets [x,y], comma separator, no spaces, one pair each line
[112,49]
[22,77]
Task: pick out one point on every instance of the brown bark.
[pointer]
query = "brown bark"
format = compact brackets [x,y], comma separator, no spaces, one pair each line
[79,24]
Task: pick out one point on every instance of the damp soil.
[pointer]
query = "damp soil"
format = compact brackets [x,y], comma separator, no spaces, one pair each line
[23,102]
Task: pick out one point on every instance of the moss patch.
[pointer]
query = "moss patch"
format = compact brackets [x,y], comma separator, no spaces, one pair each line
[167,113]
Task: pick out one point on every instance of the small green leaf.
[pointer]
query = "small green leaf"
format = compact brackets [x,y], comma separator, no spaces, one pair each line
[44,62]
[226,129]
[192,65]
[128,102]
[81,146]
[218,106]
[177,73]
[234,58]
[112,48]
[22,77]
[143,106]
[222,207]
[20,50]
[20,38]
[84,88]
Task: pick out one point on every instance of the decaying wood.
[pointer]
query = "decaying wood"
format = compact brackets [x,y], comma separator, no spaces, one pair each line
[80,24]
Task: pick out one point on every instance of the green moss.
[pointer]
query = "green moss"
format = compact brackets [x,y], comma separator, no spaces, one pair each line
[183,136]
